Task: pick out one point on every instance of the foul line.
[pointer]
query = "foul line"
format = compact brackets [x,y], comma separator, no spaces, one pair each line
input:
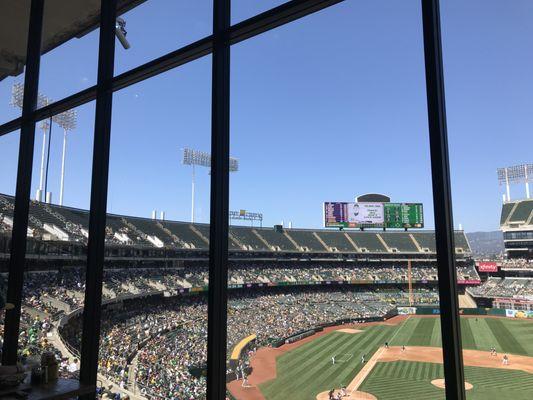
[399,329]
[361,376]
[363,373]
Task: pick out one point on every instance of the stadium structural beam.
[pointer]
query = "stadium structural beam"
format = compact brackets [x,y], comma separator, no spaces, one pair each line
[219,215]
[442,201]
[24,174]
[268,20]
[99,186]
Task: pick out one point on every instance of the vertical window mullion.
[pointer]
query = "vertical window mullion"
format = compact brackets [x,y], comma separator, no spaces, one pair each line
[99,182]
[24,174]
[218,243]
[442,201]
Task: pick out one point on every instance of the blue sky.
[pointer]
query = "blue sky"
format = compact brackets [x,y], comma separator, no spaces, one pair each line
[325,108]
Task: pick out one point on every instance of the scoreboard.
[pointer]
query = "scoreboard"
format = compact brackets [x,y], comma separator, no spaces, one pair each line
[403,215]
[373,215]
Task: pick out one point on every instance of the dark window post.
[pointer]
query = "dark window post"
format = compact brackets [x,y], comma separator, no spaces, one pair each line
[442,200]
[97,217]
[22,196]
[218,243]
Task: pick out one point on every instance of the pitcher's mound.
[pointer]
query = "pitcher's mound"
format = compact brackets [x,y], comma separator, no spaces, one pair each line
[354,396]
[440,384]
[349,330]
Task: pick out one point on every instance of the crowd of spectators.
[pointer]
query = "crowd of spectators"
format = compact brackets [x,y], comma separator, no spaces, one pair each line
[517,263]
[168,340]
[153,334]
[504,287]
[68,285]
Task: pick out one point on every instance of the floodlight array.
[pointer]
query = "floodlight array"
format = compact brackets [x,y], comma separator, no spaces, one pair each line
[515,174]
[203,159]
[17,95]
[66,120]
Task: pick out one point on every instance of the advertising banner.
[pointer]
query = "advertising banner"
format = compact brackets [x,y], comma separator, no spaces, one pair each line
[523,314]
[487,266]
[406,310]
[468,282]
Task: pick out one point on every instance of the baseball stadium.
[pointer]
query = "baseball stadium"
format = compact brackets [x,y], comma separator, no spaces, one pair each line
[252,200]
[310,310]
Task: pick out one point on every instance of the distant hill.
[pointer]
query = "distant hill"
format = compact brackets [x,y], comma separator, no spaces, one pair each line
[486,244]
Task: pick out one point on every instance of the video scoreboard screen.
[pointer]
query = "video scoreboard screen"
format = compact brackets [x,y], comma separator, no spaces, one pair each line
[373,215]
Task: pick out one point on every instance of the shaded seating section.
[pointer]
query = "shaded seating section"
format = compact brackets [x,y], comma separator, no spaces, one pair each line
[151,228]
[400,241]
[185,233]
[115,224]
[506,210]
[337,240]
[204,230]
[277,239]
[522,211]
[246,237]
[461,242]
[306,239]
[73,225]
[368,241]
[426,240]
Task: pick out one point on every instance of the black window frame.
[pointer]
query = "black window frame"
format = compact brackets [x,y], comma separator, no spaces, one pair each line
[219,45]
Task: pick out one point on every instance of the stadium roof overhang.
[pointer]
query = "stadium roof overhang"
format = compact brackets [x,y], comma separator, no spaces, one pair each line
[63,21]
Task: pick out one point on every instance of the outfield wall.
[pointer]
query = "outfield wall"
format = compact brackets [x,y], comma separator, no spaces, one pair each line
[424,310]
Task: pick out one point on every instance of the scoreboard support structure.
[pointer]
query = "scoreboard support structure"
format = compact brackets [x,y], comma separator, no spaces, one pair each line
[410,282]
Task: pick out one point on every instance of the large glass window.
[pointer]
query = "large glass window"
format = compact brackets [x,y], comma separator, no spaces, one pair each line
[154,319]
[9,145]
[488,90]
[54,276]
[157,27]
[332,108]
[70,49]
[333,285]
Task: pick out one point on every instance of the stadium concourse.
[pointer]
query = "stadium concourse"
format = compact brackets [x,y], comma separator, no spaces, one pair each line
[154,325]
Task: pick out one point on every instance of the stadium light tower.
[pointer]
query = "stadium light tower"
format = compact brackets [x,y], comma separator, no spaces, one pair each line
[202,159]
[522,173]
[17,97]
[66,120]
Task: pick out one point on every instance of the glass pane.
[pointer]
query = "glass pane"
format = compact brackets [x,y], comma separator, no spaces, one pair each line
[332,108]
[244,9]
[14,21]
[157,27]
[54,278]
[488,94]
[154,324]
[9,147]
[70,49]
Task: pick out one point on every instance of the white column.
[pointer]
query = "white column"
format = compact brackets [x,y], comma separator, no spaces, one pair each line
[527,182]
[41,179]
[192,196]
[507,186]
[62,184]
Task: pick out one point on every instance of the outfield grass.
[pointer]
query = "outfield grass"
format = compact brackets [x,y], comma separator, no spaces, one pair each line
[412,380]
[304,372]
[507,335]
[307,370]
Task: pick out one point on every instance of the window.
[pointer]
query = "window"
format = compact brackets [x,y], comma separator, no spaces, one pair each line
[146,275]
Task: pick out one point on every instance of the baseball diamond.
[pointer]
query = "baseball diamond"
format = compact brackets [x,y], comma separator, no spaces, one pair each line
[305,371]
